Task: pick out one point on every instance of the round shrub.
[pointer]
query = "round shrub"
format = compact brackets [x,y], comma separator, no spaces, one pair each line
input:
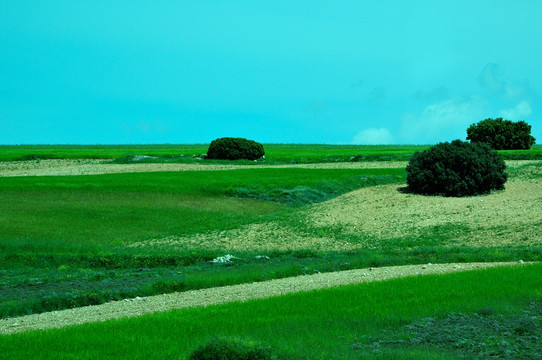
[456,169]
[231,349]
[502,134]
[228,148]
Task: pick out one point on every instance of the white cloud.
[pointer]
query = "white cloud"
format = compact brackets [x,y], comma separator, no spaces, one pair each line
[373,136]
[520,111]
[442,121]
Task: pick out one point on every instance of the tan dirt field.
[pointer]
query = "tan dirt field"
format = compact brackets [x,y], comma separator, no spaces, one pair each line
[510,217]
[93,167]
[235,293]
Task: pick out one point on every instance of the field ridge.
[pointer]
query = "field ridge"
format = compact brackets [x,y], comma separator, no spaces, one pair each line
[64,167]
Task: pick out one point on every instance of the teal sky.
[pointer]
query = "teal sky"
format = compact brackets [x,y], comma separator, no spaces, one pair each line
[335,72]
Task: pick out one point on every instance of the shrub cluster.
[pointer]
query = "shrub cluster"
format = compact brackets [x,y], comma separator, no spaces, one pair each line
[232,349]
[228,148]
[456,169]
[502,134]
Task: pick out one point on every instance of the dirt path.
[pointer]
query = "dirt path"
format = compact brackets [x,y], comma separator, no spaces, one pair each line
[92,167]
[65,167]
[219,295]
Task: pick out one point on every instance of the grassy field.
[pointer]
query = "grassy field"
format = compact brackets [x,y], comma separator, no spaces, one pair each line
[493,312]
[68,241]
[77,240]
[62,236]
[274,153]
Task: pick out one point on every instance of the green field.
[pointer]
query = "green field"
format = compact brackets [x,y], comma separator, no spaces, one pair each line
[65,229]
[68,241]
[274,153]
[339,323]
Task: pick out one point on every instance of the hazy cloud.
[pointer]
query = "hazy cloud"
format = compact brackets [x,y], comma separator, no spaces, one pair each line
[442,121]
[518,89]
[520,111]
[491,78]
[373,136]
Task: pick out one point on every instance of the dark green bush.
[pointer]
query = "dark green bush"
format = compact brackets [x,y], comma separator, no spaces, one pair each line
[456,169]
[231,349]
[502,134]
[228,148]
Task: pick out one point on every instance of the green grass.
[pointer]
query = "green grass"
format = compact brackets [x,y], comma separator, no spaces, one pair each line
[63,239]
[30,152]
[74,228]
[275,153]
[324,324]
[38,282]
[123,208]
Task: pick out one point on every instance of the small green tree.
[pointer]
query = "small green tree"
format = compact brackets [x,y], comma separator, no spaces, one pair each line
[456,169]
[228,148]
[502,134]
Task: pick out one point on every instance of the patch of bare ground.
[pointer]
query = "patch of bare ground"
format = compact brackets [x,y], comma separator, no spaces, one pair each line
[235,293]
[509,217]
[93,167]
[256,237]
[378,216]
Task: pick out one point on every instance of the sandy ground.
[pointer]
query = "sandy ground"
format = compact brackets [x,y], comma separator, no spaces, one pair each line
[92,167]
[375,216]
[510,217]
[219,295]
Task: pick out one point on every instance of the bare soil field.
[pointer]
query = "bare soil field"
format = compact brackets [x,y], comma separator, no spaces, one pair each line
[92,167]
[218,295]
[509,217]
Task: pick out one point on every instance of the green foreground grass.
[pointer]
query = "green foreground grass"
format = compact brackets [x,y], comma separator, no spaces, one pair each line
[337,323]
[64,240]
[275,153]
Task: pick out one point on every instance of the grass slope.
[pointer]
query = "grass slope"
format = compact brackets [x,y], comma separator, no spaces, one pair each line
[64,239]
[122,208]
[337,323]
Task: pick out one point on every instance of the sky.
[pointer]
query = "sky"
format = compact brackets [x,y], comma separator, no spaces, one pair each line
[294,71]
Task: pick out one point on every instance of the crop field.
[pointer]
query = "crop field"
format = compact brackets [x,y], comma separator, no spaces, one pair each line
[87,225]
[275,153]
